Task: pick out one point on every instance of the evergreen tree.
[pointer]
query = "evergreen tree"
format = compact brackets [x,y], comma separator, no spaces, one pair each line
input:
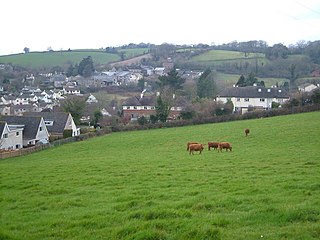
[241,82]
[172,80]
[206,85]
[162,109]
[86,68]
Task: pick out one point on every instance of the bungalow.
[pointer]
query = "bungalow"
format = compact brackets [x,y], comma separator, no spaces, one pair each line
[71,90]
[255,97]
[34,132]
[91,99]
[123,77]
[22,99]
[10,136]
[18,110]
[7,100]
[307,87]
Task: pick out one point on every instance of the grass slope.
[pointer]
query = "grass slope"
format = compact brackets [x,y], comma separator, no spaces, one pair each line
[57,58]
[218,57]
[145,185]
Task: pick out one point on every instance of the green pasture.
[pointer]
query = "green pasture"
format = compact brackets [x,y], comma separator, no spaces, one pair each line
[223,55]
[61,58]
[145,185]
[133,52]
[227,80]
[50,59]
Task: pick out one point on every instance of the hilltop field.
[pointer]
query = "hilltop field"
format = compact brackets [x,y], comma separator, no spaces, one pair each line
[145,185]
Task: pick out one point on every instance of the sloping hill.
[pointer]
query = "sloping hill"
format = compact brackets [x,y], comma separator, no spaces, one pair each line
[145,185]
[38,60]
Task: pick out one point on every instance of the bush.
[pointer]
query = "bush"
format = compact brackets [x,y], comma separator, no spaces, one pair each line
[67,133]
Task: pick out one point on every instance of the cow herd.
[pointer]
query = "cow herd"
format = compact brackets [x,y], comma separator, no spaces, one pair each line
[199,147]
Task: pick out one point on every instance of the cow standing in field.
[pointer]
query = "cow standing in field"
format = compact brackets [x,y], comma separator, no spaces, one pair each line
[196,147]
[189,143]
[224,145]
[213,145]
[247,131]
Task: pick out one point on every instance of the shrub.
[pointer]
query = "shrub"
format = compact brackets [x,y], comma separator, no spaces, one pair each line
[67,133]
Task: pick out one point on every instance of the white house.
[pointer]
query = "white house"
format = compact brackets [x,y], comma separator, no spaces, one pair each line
[22,99]
[34,129]
[91,99]
[308,87]
[159,71]
[256,97]
[71,90]
[10,136]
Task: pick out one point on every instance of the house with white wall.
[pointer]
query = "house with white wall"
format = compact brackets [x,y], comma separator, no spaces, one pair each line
[10,136]
[252,97]
[34,129]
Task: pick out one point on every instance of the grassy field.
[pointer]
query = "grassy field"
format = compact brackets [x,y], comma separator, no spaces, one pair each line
[145,185]
[218,57]
[227,80]
[57,58]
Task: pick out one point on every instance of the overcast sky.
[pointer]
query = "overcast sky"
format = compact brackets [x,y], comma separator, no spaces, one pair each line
[75,24]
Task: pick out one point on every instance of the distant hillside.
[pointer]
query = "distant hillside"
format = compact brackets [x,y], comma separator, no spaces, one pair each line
[38,60]
[216,56]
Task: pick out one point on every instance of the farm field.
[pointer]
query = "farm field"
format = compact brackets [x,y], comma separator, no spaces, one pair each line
[60,58]
[145,185]
[217,57]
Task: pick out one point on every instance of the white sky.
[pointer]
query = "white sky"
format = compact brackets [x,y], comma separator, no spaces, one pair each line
[75,24]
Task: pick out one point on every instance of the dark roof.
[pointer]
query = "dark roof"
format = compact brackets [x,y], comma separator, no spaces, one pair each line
[31,124]
[136,101]
[59,120]
[22,106]
[254,92]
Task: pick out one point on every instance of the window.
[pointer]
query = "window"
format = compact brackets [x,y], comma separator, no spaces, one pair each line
[238,99]
[5,135]
[17,146]
[48,123]
[246,99]
[128,107]
[145,108]
[17,133]
[134,107]
[262,99]
[40,129]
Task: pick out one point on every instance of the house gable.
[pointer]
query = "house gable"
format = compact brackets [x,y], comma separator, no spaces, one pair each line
[34,128]
[11,136]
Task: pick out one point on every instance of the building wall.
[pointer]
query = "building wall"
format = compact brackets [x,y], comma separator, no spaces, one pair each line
[42,135]
[242,104]
[72,126]
[13,139]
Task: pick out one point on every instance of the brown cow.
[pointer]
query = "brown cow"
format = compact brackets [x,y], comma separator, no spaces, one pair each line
[247,131]
[196,147]
[224,145]
[213,145]
[189,143]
